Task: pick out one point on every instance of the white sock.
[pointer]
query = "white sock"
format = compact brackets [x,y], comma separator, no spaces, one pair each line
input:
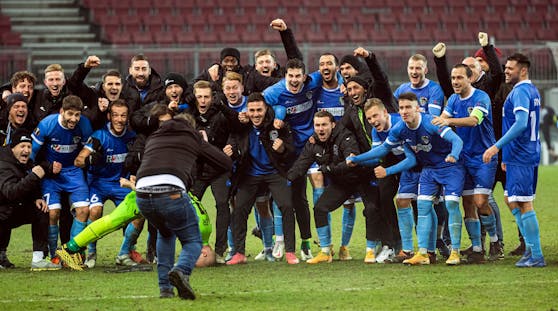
[326,250]
[279,238]
[494,239]
[38,256]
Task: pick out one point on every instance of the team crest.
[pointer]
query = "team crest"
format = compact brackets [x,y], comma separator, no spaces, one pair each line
[335,150]
[309,94]
[423,100]
[76,139]
[273,135]
[469,110]
[425,140]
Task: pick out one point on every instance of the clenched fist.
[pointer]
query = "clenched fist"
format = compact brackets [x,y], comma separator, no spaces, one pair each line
[439,50]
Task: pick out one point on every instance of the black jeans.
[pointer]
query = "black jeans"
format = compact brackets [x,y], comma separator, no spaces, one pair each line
[245,198]
[387,190]
[221,193]
[26,215]
[300,204]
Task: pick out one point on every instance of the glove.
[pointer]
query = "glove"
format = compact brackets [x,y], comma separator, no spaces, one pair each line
[96,156]
[439,50]
[47,167]
[483,39]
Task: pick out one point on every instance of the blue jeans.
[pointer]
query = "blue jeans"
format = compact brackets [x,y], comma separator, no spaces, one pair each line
[173,218]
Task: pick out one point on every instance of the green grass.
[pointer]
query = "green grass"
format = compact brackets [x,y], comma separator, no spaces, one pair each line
[278,286]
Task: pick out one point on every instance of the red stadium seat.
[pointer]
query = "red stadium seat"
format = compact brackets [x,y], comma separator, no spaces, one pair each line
[11,39]
[492,21]
[208,37]
[164,38]
[131,23]
[339,36]
[186,37]
[316,36]
[142,38]
[443,35]
[359,37]
[119,38]
[380,36]
[547,34]
[154,23]
[250,37]
[503,35]
[401,36]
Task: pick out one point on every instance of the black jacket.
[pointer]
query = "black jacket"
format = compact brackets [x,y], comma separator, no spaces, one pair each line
[351,122]
[330,156]
[17,187]
[130,92]
[241,147]
[175,148]
[46,104]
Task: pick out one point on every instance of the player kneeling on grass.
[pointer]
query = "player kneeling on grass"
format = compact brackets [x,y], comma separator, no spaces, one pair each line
[21,200]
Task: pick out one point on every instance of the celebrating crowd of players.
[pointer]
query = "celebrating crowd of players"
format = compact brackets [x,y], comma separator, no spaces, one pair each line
[252,134]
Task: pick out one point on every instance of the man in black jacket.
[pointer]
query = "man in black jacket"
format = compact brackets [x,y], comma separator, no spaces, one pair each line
[163,179]
[263,154]
[143,85]
[331,145]
[21,200]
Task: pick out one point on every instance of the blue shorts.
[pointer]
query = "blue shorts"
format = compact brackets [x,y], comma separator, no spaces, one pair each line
[448,179]
[479,177]
[521,183]
[408,185]
[70,180]
[102,190]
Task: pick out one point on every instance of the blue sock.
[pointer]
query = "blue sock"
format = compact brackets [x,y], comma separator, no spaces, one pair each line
[531,233]
[328,223]
[77,227]
[348,223]
[92,247]
[496,212]
[316,194]
[230,239]
[424,222]
[433,233]
[406,226]
[371,244]
[489,223]
[324,236]
[266,225]
[474,229]
[517,214]
[130,237]
[257,216]
[277,219]
[454,223]
[52,239]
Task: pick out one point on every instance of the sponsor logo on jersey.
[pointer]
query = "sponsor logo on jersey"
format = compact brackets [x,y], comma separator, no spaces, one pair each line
[64,148]
[116,158]
[300,107]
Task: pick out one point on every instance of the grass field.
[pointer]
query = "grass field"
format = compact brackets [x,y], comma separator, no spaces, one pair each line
[277,286]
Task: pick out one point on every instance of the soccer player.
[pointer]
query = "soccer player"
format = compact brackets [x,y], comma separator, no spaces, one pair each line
[520,145]
[107,149]
[297,94]
[60,137]
[469,111]
[437,151]
[332,144]
[263,154]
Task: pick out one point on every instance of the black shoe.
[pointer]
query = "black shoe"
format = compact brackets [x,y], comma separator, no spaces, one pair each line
[166,293]
[519,250]
[442,248]
[468,251]
[151,255]
[182,284]
[432,257]
[496,251]
[257,232]
[5,262]
[475,258]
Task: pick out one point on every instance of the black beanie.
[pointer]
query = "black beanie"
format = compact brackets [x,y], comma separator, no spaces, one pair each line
[360,80]
[352,60]
[175,78]
[230,52]
[20,135]
[14,98]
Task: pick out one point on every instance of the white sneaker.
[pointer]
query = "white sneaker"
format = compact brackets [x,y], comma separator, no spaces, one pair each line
[125,260]
[91,261]
[306,254]
[384,254]
[260,256]
[279,249]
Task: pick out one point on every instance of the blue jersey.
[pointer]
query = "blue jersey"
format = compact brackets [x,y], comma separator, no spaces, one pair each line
[526,148]
[61,144]
[240,107]
[378,138]
[426,141]
[430,96]
[330,100]
[261,164]
[114,149]
[478,138]
[300,107]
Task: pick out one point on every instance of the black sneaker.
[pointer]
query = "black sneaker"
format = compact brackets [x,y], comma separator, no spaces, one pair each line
[182,284]
[5,262]
[442,248]
[166,293]
[475,258]
[496,251]
[520,249]
[466,252]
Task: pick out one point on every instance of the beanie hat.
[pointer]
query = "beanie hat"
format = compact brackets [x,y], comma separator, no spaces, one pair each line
[175,78]
[480,53]
[20,135]
[14,98]
[352,60]
[360,80]
[230,52]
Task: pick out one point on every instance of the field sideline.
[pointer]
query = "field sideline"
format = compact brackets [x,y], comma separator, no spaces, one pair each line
[278,286]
